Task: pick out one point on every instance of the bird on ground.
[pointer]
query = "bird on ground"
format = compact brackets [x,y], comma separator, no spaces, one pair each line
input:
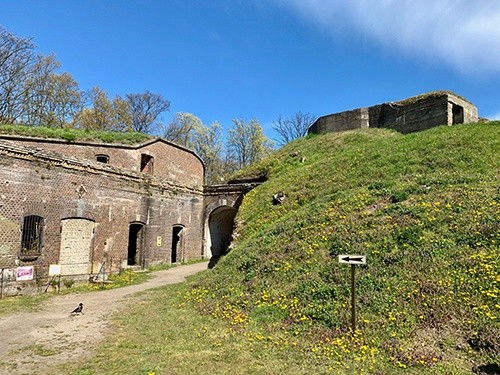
[78,310]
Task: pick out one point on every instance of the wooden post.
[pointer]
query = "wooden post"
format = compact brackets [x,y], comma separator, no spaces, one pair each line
[353,298]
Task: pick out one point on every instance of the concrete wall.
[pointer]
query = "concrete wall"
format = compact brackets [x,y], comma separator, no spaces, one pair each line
[406,116]
[348,120]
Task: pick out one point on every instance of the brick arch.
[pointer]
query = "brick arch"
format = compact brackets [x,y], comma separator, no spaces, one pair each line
[220,212]
[220,225]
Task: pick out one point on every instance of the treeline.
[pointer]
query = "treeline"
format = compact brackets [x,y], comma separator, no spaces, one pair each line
[34,92]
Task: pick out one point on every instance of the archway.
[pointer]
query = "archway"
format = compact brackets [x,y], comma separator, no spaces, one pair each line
[221,226]
[135,244]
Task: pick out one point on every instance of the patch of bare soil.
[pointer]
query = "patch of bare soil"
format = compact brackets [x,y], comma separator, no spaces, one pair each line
[36,342]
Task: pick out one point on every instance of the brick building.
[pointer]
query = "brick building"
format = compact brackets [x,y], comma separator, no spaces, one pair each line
[410,115]
[94,207]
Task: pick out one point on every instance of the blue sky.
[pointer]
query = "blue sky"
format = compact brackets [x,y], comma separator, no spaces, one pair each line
[221,59]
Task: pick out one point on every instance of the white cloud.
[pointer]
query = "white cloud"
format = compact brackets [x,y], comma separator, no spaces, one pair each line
[465,34]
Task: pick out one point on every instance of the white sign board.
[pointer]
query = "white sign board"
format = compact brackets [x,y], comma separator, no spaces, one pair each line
[54,270]
[24,273]
[352,259]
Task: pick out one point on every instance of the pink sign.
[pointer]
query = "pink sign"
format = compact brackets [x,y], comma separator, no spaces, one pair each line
[24,273]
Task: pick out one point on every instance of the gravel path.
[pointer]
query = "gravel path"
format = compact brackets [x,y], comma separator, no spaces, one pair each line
[36,342]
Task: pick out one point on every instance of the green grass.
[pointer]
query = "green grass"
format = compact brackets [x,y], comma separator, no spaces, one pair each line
[10,305]
[70,134]
[164,334]
[423,207]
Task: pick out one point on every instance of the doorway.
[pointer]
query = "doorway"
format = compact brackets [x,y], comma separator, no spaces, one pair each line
[458,114]
[135,244]
[177,243]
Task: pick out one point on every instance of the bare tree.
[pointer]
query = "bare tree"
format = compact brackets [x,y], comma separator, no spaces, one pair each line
[145,109]
[293,127]
[16,61]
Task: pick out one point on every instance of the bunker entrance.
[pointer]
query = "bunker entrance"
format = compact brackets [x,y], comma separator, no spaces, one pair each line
[221,226]
[177,243]
[135,244]
[458,114]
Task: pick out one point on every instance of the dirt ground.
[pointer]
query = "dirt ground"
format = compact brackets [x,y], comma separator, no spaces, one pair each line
[36,342]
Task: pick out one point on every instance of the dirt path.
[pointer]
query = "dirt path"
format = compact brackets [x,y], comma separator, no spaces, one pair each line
[36,342]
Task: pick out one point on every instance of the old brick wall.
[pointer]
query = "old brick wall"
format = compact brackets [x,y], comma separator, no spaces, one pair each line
[174,163]
[57,189]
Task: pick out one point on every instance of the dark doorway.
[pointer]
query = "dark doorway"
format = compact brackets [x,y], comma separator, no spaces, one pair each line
[135,244]
[221,225]
[176,243]
[458,114]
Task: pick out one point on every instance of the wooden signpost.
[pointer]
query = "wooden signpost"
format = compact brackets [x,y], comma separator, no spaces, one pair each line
[353,260]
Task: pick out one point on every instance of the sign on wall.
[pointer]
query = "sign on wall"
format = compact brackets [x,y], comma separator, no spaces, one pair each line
[24,273]
[54,270]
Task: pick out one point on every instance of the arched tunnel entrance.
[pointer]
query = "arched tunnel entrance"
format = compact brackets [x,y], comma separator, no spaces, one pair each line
[221,226]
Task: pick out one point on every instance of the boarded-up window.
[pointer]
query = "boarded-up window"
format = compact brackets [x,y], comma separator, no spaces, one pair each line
[76,245]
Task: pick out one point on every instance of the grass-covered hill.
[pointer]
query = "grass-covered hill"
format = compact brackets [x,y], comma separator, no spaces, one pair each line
[71,134]
[423,208]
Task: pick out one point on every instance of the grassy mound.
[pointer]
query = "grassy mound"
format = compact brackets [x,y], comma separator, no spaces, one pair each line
[423,208]
[70,134]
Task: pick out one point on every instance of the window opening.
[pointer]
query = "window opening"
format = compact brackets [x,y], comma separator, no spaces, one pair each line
[146,163]
[101,158]
[31,239]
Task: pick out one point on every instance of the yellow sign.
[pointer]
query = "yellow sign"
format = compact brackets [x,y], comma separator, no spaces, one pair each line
[158,241]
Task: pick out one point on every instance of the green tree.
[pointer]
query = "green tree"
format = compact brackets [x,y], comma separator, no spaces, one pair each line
[246,143]
[122,115]
[208,145]
[189,131]
[182,129]
[51,99]
[100,115]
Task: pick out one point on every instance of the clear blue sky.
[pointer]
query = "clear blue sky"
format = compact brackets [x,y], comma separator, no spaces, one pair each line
[221,59]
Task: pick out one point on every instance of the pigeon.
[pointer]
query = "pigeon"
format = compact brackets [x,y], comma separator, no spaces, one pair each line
[78,310]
